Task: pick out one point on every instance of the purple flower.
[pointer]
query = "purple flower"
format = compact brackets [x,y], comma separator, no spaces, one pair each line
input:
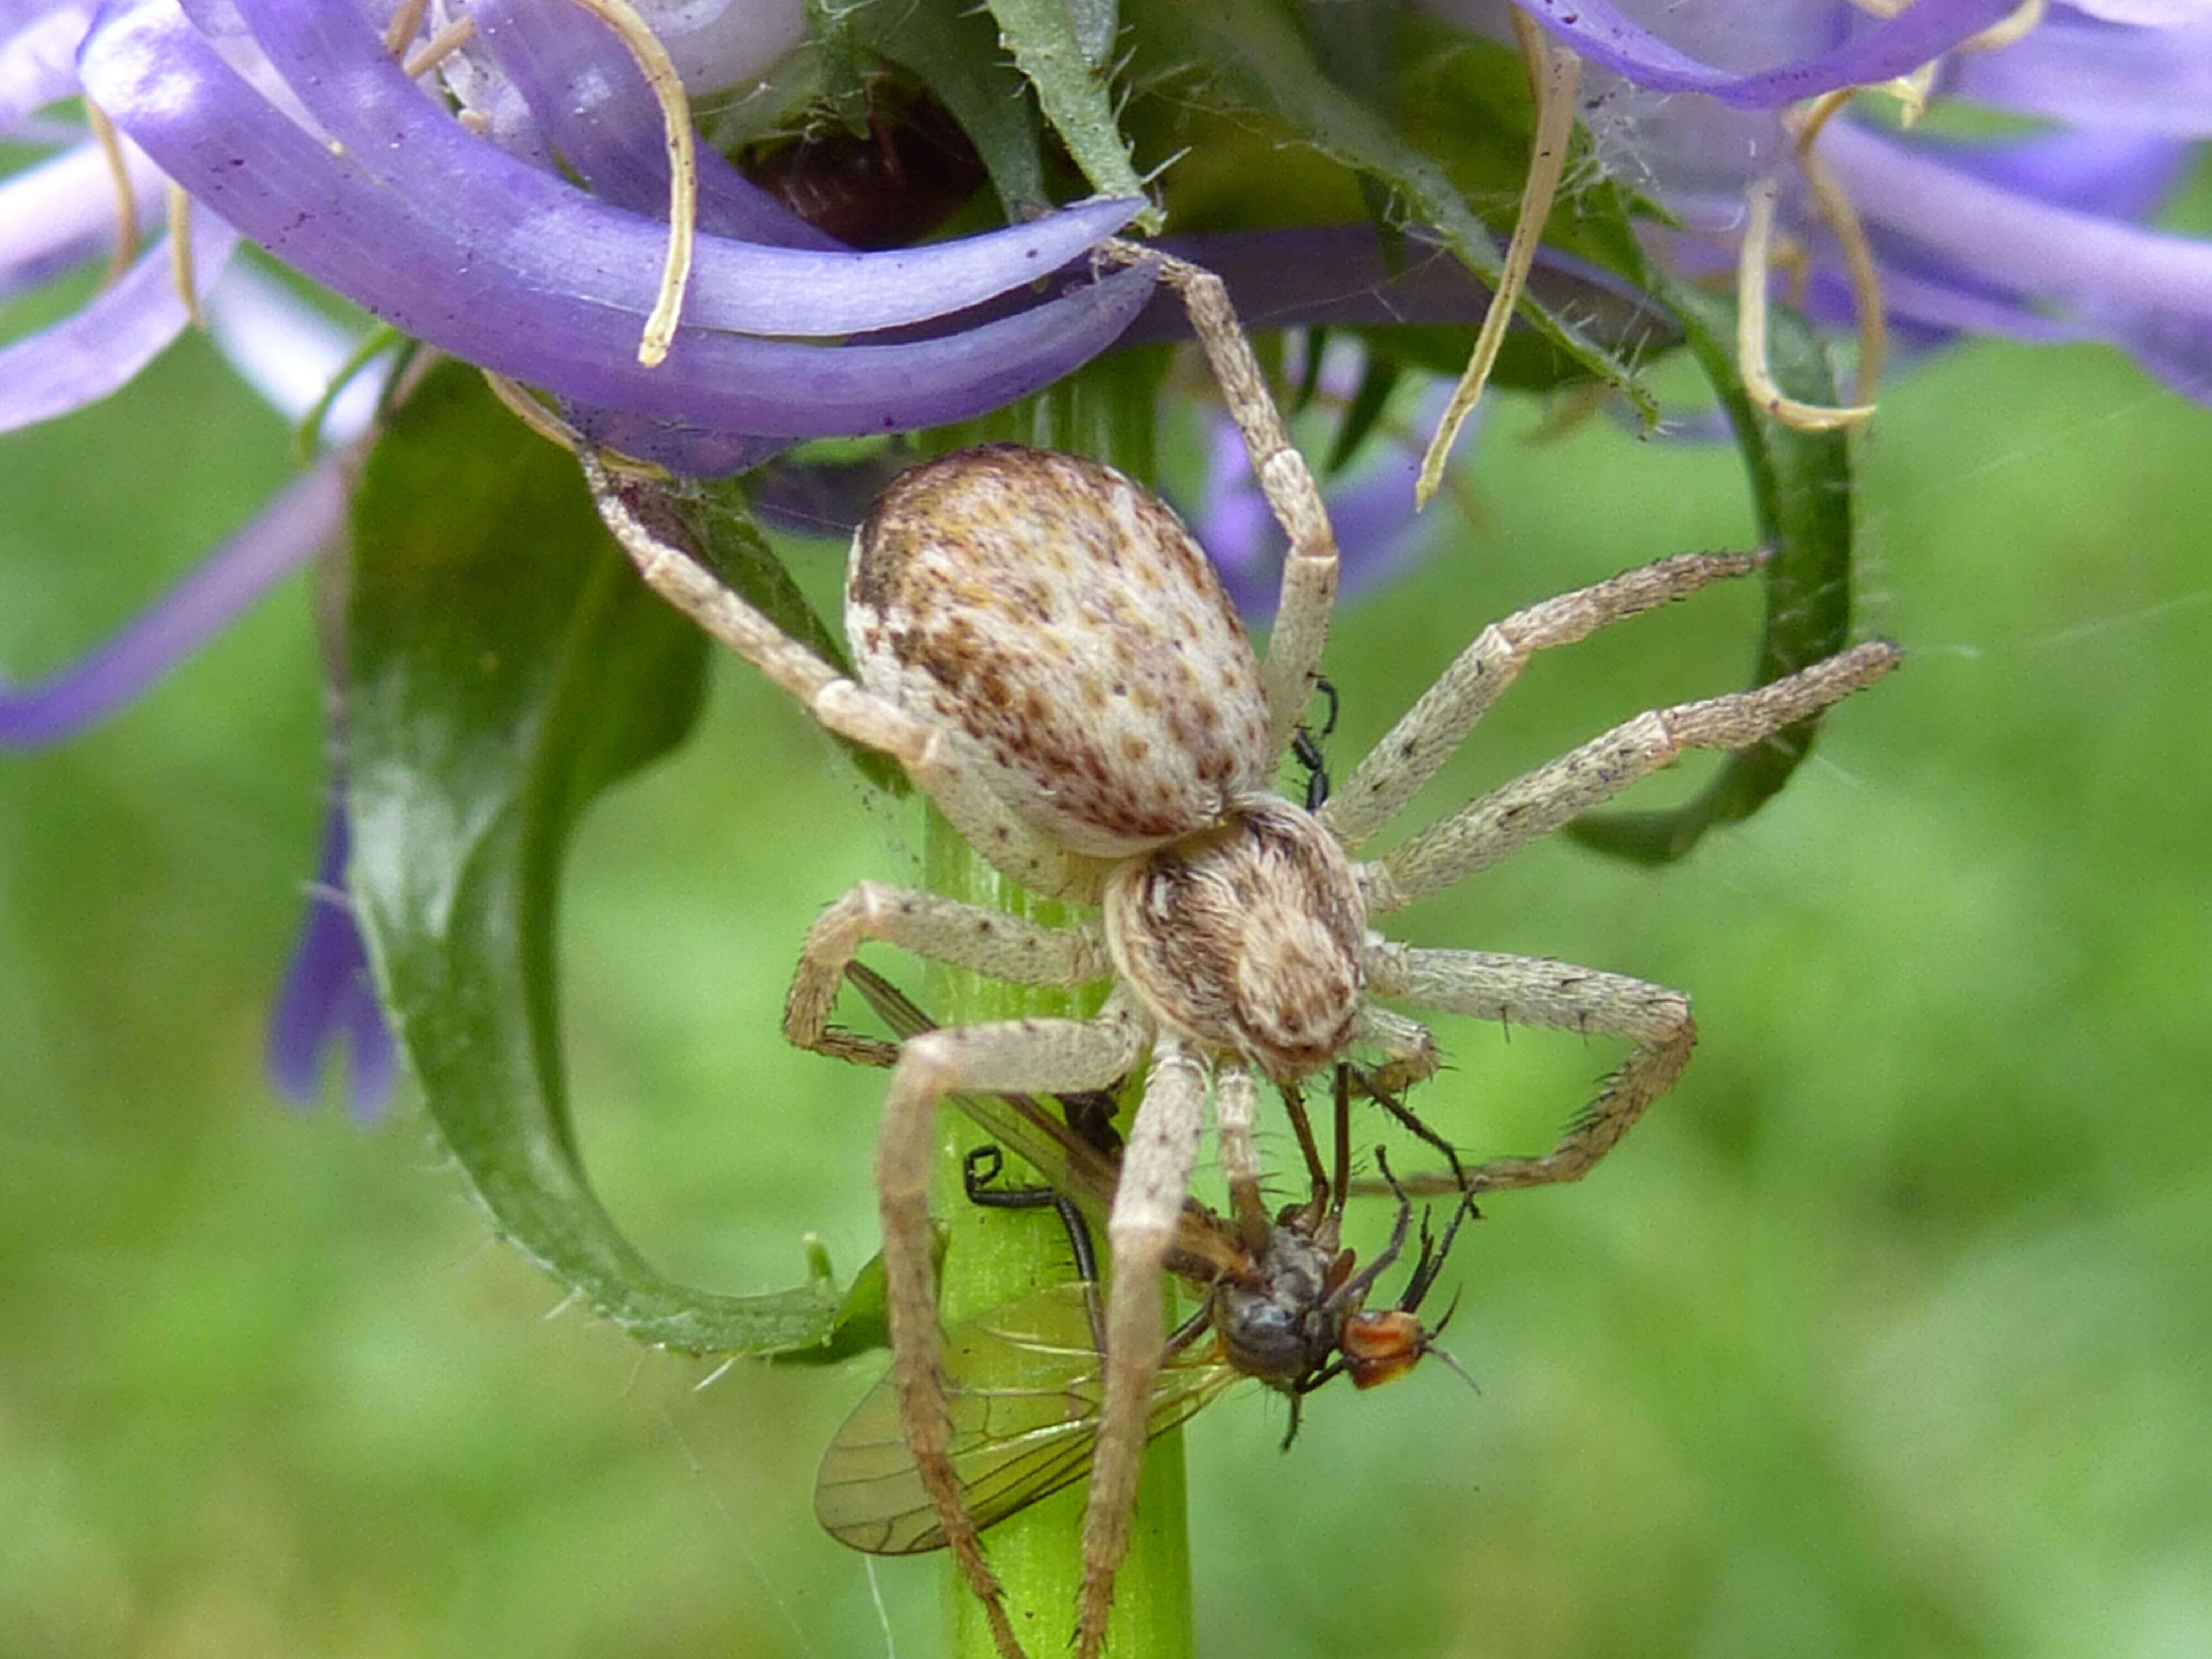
[324,151]
[2039,237]
[372,187]
[326,997]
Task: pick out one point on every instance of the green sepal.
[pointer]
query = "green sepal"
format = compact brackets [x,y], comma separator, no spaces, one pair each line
[1801,487]
[505,667]
[1077,100]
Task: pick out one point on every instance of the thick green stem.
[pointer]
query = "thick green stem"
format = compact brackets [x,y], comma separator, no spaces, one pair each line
[995,1256]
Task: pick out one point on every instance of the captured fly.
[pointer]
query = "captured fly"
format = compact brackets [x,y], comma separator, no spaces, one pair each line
[1279,1300]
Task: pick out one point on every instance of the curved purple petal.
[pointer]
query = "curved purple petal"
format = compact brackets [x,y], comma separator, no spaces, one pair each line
[408,260]
[685,446]
[57,213]
[2010,238]
[587,94]
[2143,80]
[591,101]
[290,352]
[2115,174]
[38,59]
[544,236]
[1983,238]
[301,518]
[1935,303]
[96,351]
[326,995]
[1604,33]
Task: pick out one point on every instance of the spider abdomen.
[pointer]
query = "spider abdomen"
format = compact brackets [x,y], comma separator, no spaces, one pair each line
[1061,618]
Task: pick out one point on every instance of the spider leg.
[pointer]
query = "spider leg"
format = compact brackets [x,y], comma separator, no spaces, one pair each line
[984,941]
[1394,772]
[1310,567]
[1010,1055]
[1529,991]
[1484,831]
[1236,1116]
[931,754]
[1154,1177]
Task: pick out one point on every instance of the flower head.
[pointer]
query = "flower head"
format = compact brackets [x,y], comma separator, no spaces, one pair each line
[2040,236]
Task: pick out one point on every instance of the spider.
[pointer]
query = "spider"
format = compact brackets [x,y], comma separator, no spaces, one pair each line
[1043,647]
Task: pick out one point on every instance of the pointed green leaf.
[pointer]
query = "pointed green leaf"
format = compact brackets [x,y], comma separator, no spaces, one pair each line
[952,48]
[506,666]
[1075,97]
[1801,485]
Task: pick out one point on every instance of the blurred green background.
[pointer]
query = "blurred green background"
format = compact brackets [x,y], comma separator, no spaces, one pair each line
[1889,1332]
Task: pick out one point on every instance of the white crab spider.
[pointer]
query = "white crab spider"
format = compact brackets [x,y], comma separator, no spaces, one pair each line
[1043,647]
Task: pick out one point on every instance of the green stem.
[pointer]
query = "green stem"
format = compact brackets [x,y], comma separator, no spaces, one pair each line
[995,1256]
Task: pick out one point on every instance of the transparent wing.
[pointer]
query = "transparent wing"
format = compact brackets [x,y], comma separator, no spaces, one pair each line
[1023,1383]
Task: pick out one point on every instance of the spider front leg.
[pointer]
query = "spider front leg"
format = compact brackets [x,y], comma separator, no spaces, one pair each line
[1393,772]
[1011,1056]
[1530,990]
[935,757]
[1236,1118]
[984,941]
[1481,833]
[1156,1167]
[1309,567]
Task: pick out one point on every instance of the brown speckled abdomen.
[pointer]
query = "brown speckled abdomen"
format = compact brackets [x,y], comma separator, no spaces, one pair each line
[1062,617]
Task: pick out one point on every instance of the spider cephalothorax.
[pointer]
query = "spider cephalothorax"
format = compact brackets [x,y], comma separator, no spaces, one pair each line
[1044,649]
[1245,938]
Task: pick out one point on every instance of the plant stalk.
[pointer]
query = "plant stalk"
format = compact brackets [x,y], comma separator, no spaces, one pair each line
[995,1256]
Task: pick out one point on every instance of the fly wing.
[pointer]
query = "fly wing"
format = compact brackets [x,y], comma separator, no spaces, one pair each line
[1020,1123]
[1023,1384]
[1205,1248]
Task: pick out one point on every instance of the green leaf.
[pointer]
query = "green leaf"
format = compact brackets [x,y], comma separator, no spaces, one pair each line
[1377,381]
[1075,98]
[1095,23]
[1249,53]
[953,49]
[861,1323]
[1466,101]
[709,518]
[506,666]
[1801,485]
[843,93]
